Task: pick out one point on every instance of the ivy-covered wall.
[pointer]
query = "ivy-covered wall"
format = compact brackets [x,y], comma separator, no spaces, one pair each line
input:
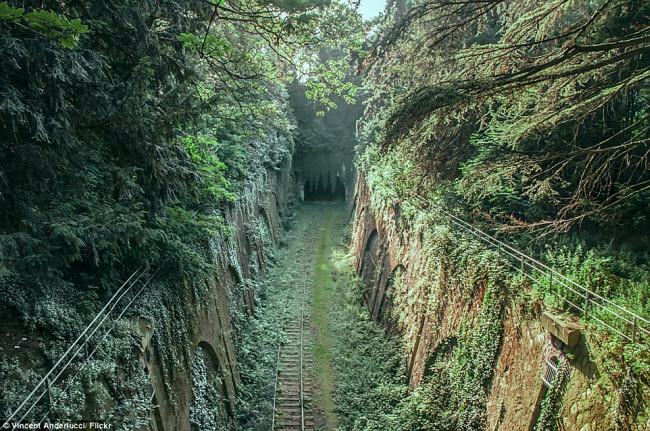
[472,334]
[192,391]
[179,340]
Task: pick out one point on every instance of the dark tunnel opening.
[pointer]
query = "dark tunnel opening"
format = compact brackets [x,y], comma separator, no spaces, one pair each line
[323,191]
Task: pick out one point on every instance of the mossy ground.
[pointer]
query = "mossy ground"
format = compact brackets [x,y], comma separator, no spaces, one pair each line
[321,304]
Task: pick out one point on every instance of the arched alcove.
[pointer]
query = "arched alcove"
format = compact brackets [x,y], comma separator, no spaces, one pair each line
[209,408]
[368,266]
[369,257]
[385,296]
[443,352]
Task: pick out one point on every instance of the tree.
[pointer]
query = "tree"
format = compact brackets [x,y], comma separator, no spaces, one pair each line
[548,100]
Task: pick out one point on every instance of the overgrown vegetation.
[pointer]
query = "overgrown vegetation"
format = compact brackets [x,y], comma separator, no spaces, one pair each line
[325,140]
[540,106]
[548,418]
[544,135]
[526,119]
[134,134]
[371,387]
[369,369]
[207,411]
[257,356]
[321,304]
[127,132]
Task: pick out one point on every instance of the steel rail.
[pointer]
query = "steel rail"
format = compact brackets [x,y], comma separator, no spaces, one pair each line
[277,363]
[302,328]
[301,361]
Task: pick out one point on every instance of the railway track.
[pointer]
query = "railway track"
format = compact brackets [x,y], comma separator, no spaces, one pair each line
[293,387]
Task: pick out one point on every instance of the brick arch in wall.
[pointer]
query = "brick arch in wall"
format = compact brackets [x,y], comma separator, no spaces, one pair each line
[371,245]
[369,262]
[384,299]
[215,375]
[443,352]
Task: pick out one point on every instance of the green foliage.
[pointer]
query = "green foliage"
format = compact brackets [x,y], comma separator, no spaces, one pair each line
[47,23]
[210,44]
[539,152]
[515,104]
[115,159]
[283,39]
[620,275]
[474,363]
[92,185]
[88,390]
[16,383]
[371,390]
[10,13]
[332,132]
[206,412]
[324,143]
[369,380]
[549,416]
[632,401]
[203,152]
[331,79]
[453,396]
[257,346]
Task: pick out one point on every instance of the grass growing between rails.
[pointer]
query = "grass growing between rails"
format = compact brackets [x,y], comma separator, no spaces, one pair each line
[322,302]
[257,353]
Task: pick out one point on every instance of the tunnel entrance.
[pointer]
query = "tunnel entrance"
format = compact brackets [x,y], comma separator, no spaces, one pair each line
[325,190]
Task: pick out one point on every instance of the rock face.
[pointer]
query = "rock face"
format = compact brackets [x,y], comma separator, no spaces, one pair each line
[255,220]
[178,347]
[432,309]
